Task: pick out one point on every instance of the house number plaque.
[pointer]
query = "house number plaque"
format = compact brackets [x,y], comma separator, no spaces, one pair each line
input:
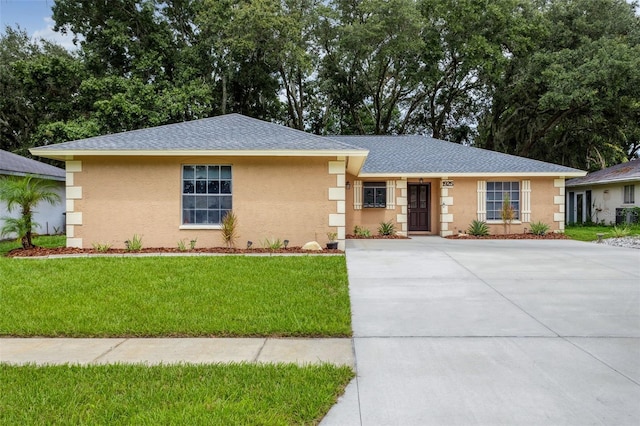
[447,184]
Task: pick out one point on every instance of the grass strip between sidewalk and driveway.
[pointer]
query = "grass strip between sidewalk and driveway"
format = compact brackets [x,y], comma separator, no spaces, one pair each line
[175,296]
[172,394]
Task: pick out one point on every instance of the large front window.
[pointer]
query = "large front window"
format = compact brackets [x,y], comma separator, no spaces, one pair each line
[497,193]
[206,194]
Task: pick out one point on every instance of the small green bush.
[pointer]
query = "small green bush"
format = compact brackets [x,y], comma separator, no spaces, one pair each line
[182,246]
[101,247]
[622,231]
[272,244]
[387,228]
[539,228]
[361,232]
[135,243]
[478,228]
[229,229]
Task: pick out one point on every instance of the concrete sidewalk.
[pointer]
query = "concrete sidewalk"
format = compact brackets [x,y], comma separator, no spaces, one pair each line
[180,350]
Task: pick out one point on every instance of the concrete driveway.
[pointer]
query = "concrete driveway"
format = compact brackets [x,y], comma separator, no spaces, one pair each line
[493,332]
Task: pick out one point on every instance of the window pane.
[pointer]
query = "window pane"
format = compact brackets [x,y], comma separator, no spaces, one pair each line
[225,203]
[188,216]
[188,202]
[187,187]
[214,172]
[214,187]
[214,216]
[225,172]
[201,216]
[213,202]
[188,172]
[201,187]
[201,172]
[225,187]
[201,202]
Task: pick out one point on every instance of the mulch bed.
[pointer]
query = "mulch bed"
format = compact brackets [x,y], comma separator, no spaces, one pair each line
[550,236]
[376,237]
[42,251]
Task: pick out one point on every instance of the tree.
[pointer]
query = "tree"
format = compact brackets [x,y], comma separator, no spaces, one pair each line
[572,98]
[26,193]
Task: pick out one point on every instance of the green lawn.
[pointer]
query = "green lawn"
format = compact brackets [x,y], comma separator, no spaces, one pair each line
[175,296]
[236,394]
[42,241]
[590,232]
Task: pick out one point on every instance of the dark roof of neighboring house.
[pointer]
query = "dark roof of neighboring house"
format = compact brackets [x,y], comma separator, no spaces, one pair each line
[423,155]
[625,172]
[231,132]
[16,165]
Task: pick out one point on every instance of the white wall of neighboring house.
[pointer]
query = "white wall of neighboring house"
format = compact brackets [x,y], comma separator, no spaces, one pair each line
[605,199]
[50,217]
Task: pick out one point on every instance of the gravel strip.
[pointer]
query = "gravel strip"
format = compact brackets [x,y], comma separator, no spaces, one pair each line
[629,242]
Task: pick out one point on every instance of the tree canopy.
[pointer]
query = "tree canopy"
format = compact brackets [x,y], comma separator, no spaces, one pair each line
[555,80]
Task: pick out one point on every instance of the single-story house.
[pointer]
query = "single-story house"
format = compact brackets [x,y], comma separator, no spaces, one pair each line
[605,196]
[49,217]
[176,182]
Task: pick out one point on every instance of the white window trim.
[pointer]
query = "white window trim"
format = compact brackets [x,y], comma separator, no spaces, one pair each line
[202,226]
[195,226]
[525,203]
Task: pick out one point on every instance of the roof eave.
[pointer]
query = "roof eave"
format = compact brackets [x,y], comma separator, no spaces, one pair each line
[607,182]
[71,154]
[449,175]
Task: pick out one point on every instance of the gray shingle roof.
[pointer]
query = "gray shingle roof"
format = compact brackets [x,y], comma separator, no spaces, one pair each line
[229,132]
[420,154]
[12,164]
[625,172]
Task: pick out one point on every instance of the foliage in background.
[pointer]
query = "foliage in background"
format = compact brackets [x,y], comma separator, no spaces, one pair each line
[25,193]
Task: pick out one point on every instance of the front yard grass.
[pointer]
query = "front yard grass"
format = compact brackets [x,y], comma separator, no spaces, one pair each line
[235,394]
[175,296]
[590,232]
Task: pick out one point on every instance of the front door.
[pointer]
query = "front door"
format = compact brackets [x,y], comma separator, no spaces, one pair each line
[419,207]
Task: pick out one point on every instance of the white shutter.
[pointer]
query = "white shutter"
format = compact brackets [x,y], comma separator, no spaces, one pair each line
[357,195]
[525,194]
[482,200]
[391,195]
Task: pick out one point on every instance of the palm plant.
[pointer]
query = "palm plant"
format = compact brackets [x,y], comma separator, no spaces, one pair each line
[25,193]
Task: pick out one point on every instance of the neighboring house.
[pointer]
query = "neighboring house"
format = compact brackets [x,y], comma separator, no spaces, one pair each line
[175,182]
[49,217]
[604,195]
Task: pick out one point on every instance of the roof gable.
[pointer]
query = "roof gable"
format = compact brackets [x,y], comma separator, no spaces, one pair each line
[624,172]
[421,156]
[16,165]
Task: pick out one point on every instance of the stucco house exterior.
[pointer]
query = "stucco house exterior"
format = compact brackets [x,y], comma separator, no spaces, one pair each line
[175,182]
[603,196]
[49,217]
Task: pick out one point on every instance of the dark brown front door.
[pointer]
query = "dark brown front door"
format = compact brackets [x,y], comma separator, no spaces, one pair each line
[419,207]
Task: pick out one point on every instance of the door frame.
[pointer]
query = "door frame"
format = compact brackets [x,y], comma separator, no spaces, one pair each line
[428,208]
